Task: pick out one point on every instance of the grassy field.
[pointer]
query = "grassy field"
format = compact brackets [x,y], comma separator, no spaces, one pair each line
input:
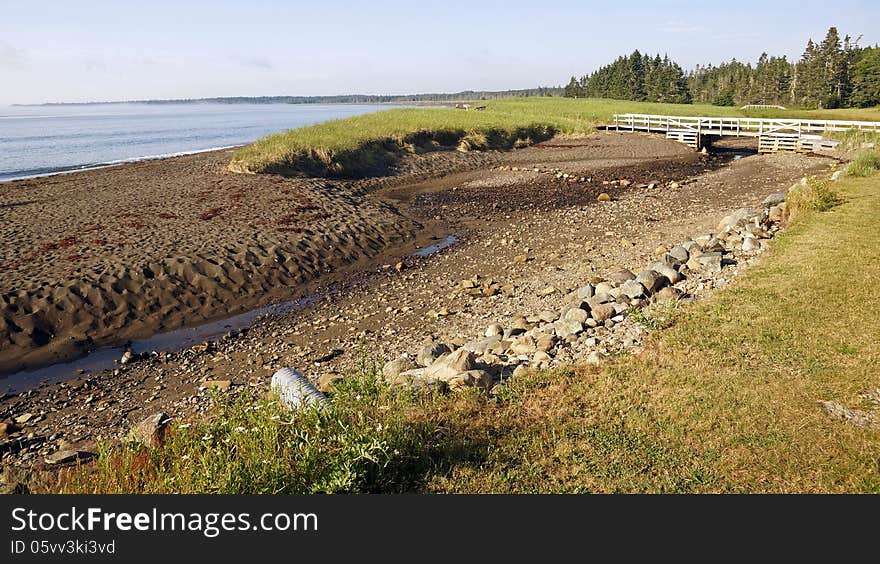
[724,400]
[370,144]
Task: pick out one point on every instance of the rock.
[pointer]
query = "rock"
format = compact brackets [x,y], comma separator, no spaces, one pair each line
[594,359]
[480,347]
[835,176]
[392,369]
[603,288]
[577,314]
[68,455]
[713,245]
[710,262]
[750,244]
[548,291]
[600,299]
[774,199]
[660,251]
[633,289]
[625,182]
[327,381]
[470,378]
[621,276]
[585,292]
[523,345]
[448,366]
[548,316]
[520,371]
[519,322]
[566,328]
[651,280]
[604,197]
[540,357]
[7,428]
[127,358]
[601,312]
[151,431]
[219,385]
[23,418]
[521,259]
[672,276]
[430,353]
[734,218]
[545,344]
[680,254]
[494,330]
[669,293]
[777,214]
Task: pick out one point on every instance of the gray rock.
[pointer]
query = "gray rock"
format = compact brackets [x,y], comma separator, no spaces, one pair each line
[671,275]
[633,289]
[602,312]
[774,199]
[450,365]
[680,254]
[710,262]
[585,292]
[603,288]
[835,176]
[392,369]
[651,280]
[494,330]
[750,244]
[480,347]
[431,353]
[621,276]
[601,298]
[548,316]
[577,314]
[150,431]
[566,328]
[713,245]
[734,218]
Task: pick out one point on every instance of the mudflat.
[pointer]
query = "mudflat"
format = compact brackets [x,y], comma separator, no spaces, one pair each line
[101,257]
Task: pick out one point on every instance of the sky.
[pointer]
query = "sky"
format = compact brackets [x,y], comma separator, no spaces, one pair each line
[79,51]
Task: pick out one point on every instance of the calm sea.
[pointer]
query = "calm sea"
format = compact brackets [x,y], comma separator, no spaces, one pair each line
[51,139]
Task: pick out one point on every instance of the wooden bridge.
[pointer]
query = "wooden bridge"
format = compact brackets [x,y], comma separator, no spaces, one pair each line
[774,135]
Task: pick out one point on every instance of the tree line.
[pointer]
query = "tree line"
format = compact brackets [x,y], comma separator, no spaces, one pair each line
[835,73]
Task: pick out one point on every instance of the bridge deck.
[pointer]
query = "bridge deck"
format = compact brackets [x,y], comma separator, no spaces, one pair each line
[773,134]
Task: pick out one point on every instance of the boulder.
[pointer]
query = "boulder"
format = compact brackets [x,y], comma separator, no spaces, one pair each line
[150,431]
[494,330]
[710,262]
[577,314]
[774,199]
[671,275]
[651,280]
[392,369]
[603,288]
[713,245]
[750,244]
[680,254]
[523,345]
[585,292]
[669,293]
[602,312]
[470,378]
[633,289]
[566,328]
[734,218]
[430,353]
[621,276]
[447,366]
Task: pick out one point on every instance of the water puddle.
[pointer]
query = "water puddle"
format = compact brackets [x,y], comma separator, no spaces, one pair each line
[436,247]
[105,357]
[172,341]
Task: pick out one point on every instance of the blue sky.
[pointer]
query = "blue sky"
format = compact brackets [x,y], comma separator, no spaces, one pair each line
[100,50]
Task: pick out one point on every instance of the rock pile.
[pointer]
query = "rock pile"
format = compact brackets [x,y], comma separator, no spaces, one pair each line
[596,319]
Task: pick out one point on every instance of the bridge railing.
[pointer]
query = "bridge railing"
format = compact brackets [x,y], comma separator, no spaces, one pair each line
[737,126]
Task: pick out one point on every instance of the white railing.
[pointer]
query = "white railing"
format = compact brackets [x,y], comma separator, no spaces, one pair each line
[751,127]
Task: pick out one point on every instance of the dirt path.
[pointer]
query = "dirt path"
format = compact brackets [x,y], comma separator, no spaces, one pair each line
[502,216]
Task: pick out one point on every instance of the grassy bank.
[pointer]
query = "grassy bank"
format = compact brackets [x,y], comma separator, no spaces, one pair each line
[725,400]
[370,144]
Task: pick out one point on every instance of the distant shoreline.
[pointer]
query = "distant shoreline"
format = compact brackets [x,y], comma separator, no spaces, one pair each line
[337,99]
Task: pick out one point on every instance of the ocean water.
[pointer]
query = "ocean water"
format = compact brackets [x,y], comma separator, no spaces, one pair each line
[40,140]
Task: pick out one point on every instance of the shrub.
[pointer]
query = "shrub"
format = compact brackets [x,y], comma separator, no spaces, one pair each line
[865,163]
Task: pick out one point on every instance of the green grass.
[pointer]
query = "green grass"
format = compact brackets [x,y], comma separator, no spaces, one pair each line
[864,164]
[370,144]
